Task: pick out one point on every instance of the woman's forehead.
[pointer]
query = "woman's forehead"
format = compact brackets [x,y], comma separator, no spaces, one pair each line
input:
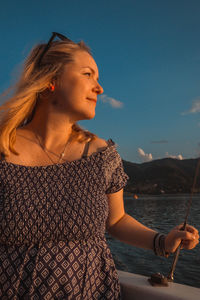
[82,59]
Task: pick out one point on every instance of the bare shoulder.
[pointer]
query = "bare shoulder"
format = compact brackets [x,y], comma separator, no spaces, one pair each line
[98,144]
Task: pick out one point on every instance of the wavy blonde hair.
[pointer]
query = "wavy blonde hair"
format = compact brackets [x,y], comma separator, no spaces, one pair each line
[19,108]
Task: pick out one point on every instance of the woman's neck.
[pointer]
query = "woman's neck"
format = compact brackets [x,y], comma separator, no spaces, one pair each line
[52,127]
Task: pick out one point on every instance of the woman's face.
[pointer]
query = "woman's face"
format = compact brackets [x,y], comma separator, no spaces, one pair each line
[78,87]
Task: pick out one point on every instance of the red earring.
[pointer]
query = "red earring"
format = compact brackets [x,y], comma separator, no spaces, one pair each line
[52,87]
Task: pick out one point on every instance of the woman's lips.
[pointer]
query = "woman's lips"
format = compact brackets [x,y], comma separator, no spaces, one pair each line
[94,100]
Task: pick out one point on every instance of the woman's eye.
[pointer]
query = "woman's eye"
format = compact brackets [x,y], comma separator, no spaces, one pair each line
[87,73]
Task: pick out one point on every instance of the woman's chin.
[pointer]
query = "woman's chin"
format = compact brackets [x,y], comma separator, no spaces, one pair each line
[89,115]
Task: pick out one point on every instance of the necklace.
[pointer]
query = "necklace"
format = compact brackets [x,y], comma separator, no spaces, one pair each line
[33,141]
[45,150]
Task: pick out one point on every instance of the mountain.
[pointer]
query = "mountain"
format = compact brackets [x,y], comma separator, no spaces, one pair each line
[162,176]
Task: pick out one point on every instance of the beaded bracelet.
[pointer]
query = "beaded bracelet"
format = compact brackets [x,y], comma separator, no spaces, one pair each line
[159,245]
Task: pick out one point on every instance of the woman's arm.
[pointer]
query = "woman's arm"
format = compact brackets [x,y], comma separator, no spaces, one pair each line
[125,228]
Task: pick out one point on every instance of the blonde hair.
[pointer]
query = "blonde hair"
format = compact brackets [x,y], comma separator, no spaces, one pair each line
[20,107]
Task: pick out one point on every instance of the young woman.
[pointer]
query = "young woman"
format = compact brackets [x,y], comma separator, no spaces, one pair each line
[62,186]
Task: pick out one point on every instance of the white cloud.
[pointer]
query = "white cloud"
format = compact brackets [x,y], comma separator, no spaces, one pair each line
[180,157]
[194,109]
[113,102]
[144,156]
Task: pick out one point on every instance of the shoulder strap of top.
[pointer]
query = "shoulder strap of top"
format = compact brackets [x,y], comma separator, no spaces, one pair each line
[110,142]
[85,151]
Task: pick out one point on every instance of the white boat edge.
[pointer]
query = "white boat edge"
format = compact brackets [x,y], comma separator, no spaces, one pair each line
[135,287]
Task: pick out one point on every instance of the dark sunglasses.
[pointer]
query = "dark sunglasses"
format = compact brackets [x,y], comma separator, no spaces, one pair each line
[54,35]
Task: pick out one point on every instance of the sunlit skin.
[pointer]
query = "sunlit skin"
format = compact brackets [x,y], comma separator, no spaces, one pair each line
[54,117]
[73,99]
[57,111]
[76,92]
[130,231]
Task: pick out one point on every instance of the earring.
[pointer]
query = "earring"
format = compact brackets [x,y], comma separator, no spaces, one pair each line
[52,87]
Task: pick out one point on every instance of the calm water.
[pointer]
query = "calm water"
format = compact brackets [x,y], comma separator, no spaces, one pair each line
[161,213]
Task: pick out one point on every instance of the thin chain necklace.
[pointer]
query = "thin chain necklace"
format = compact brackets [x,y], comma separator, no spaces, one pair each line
[33,141]
[45,150]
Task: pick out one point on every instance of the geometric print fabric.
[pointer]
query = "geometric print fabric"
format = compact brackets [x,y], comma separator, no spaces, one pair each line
[52,228]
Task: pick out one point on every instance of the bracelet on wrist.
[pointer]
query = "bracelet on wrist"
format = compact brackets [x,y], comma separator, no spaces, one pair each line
[159,245]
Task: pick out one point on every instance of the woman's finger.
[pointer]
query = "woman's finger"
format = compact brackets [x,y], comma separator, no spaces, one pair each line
[189,244]
[185,235]
[188,227]
[188,238]
[191,229]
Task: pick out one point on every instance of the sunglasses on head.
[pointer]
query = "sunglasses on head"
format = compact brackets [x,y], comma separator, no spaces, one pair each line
[54,35]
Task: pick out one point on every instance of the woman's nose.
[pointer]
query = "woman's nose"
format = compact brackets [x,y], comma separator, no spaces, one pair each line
[99,90]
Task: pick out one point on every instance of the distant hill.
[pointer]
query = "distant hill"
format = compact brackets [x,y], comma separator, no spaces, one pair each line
[161,176]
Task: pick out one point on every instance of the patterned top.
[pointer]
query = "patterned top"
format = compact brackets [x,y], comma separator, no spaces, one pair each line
[52,225]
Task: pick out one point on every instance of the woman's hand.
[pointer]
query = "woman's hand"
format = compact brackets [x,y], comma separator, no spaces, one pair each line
[189,238]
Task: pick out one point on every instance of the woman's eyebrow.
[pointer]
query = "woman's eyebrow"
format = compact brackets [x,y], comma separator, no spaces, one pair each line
[93,71]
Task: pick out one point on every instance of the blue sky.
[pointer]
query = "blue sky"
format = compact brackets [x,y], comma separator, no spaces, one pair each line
[148,55]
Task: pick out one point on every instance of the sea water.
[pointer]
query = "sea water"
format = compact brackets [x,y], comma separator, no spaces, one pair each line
[160,213]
